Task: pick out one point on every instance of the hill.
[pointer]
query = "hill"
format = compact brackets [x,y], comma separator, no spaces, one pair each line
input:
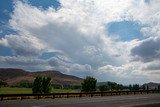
[14,76]
[151,85]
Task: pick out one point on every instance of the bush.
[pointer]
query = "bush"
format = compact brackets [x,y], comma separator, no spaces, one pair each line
[136,87]
[111,86]
[76,87]
[2,83]
[104,88]
[46,85]
[42,85]
[25,84]
[57,86]
[89,84]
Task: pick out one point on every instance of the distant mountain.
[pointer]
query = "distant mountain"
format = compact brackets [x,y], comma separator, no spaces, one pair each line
[14,76]
[151,85]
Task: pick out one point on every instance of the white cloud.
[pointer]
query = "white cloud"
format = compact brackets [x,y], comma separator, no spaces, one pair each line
[22,46]
[72,32]
[78,31]
[126,74]
[21,61]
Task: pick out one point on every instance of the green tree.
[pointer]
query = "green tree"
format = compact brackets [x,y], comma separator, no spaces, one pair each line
[89,84]
[112,85]
[37,85]
[42,85]
[46,85]
[104,87]
[130,87]
[143,86]
[25,84]
[147,87]
[136,87]
[2,84]
[119,87]
[158,87]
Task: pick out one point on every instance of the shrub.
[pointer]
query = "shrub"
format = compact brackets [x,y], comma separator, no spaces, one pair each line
[89,84]
[42,85]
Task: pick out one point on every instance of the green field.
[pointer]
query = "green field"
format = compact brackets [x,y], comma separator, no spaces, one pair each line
[8,90]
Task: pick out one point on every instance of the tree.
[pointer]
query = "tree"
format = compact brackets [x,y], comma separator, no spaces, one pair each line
[42,85]
[104,87]
[130,87]
[147,87]
[37,85]
[46,85]
[143,86]
[25,84]
[158,87]
[112,85]
[136,87]
[89,84]
[2,84]
[119,87]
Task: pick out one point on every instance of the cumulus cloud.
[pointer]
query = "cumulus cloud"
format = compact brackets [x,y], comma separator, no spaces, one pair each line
[127,73]
[147,50]
[80,38]
[22,46]
[77,30]
[69,67]
[20,60]
[152,66]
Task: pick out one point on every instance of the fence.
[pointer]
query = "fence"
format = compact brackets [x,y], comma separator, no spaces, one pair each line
[67,95]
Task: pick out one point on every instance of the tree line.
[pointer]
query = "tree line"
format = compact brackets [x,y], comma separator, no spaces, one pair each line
[43,84]
[89,85]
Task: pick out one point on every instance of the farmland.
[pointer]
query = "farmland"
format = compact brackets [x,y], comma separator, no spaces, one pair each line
[9,90]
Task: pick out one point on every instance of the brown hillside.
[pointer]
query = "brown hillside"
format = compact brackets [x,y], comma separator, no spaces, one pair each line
[15,76]
[8,73]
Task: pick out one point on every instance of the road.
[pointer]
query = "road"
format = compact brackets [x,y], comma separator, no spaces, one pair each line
[107,101]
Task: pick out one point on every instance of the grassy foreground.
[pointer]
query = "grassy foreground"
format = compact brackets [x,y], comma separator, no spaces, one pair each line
[8,90]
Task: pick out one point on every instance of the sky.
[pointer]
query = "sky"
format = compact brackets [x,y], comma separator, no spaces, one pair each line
[111,40]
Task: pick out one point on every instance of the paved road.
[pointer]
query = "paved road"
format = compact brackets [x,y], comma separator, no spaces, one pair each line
[109,101]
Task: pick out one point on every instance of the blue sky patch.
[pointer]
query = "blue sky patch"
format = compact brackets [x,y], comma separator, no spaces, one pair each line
[5,29]
[4,51]
[45,3]
[48,55]
[126,30]
[6,7]
[147,1]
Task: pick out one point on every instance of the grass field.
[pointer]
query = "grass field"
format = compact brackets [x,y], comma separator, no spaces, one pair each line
[8,90]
